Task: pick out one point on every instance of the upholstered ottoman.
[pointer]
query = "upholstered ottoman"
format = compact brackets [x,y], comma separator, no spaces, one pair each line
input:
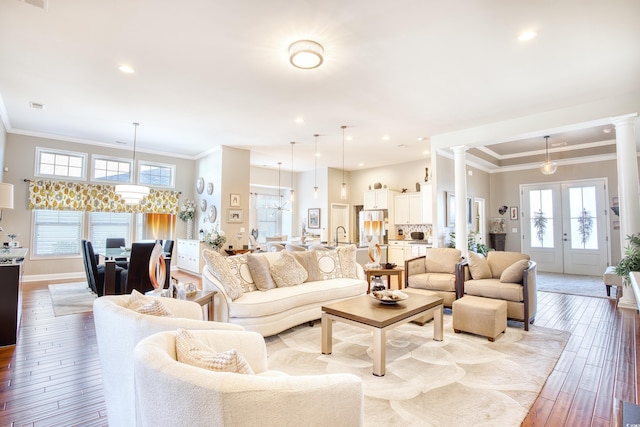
[610,279]
[481,316]
[424,319]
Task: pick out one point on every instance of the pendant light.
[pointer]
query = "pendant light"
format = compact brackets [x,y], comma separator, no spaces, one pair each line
[343,188]
[548,167]
[281,205]
[315,167]
[132,194]
[292,196]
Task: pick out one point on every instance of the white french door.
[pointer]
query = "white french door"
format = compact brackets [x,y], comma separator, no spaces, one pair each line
[565,228]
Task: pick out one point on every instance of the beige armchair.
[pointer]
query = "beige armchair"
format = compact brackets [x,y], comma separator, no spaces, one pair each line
[435,272]
[170,393]
[508,276]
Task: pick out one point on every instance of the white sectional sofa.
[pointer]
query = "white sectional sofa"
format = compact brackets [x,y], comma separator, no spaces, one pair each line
[268,293]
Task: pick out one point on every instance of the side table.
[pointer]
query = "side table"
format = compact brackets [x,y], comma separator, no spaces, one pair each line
[204,298]
[397,271]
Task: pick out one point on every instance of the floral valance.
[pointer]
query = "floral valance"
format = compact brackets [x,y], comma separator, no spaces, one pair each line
[79,196]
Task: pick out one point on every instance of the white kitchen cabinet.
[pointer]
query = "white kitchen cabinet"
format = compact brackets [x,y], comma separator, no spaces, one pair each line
[396,252]
[190,255]
[427,204]
[418,250]
[399,251]
[376,199]
[408,208]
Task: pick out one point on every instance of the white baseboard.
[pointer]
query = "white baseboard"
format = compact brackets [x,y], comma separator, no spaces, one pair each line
[59,276]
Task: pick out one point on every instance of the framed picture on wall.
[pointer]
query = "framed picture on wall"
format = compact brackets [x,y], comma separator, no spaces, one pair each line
[313,218]
[514,213]
[451,209]
[235,200]
[235,215]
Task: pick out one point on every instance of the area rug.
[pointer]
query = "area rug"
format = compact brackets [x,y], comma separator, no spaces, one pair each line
[71,298]
[573,284]
[465,380]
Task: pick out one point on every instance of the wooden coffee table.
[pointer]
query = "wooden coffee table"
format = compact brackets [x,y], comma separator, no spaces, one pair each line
[368,313]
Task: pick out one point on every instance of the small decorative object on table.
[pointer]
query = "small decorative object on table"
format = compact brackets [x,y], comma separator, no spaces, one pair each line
[388,296]
[375,252]
[216,239]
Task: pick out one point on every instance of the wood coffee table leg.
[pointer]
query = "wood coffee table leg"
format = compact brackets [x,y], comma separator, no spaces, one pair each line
[327,340]
[379,352]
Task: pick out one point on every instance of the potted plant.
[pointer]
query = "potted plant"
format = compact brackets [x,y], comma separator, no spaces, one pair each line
[631,260]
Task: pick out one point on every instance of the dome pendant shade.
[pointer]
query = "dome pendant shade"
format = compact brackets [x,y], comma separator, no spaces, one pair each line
[548,167]
[306,54]
[132,194]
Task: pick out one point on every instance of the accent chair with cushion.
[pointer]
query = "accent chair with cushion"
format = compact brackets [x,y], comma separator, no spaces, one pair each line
[118,330]
[508,276]
[170,393]
[434,272]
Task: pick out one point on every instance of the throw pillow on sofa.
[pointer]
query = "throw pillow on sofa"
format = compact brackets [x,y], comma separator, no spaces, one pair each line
[147,305]
[286,271]
[329,264]
[219,267]
[347,255]
[478,266]
[515,272]
[192,351]
[308,260]
[240,268]
[259,268]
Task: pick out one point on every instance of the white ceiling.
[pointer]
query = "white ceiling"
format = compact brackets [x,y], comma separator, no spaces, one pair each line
[212,72]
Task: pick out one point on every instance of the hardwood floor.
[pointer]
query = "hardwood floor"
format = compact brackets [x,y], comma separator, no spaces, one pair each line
[52,377]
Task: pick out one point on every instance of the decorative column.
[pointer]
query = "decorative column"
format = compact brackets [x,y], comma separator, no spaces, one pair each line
[628,192]
[460,179]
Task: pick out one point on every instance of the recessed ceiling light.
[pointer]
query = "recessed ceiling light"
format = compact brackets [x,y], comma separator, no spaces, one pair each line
[421,138]
[606,130]
[36,105]
[127,69]
[299,120]
[527,35]
[349,137]
[425,152]
[360,164]
[385,137]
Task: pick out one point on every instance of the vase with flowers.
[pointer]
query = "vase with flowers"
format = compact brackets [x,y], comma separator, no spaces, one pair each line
[216,239]
[187,213]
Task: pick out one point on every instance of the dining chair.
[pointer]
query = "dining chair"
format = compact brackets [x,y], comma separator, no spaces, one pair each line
[118,242]
[95,272]
[137,275]
[167,248]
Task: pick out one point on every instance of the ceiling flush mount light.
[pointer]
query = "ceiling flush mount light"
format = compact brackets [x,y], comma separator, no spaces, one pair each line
[306,54]
[343,188]
[132,194]
[548,167]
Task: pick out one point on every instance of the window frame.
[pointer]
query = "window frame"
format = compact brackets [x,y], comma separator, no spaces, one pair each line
[33,253]
[95,157]
[44,150]
[169,166]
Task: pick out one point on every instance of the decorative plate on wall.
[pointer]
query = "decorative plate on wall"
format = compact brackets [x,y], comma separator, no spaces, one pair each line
[200,185]
[213,213]
[203,205]
[210,188]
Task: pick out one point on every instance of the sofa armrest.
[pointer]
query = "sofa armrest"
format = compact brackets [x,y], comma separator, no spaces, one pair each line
[462,274]
[221,301]
[413,266]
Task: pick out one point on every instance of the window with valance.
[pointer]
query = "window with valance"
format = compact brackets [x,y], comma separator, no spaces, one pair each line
[79,196]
